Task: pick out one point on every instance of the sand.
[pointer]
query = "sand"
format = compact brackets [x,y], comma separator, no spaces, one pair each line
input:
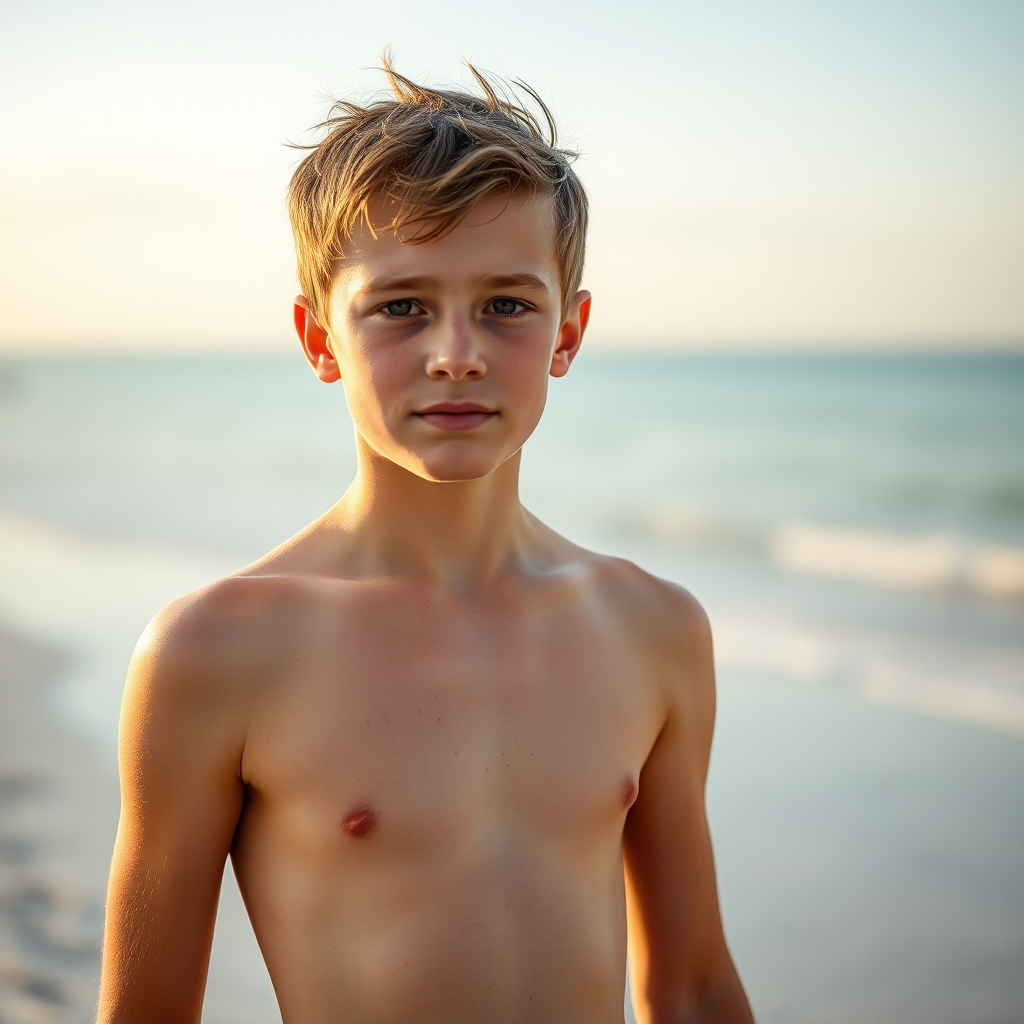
[869,859]
[58,814]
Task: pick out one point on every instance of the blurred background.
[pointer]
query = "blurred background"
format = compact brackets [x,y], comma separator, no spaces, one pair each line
[802,398]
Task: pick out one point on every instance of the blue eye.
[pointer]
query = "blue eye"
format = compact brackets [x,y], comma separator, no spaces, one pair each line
[505,307]
[401,308]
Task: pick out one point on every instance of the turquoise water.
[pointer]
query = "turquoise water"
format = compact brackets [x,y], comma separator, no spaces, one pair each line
[911,444]
[701,468]
[865,791]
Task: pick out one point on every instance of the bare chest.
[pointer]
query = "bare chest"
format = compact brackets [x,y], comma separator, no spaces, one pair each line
[411,729]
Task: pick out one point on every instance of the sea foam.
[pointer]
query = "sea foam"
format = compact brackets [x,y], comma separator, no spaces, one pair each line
[933,561]
[93,597]
[973,684]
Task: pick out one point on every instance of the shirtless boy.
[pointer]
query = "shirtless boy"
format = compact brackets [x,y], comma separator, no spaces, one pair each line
[450,753]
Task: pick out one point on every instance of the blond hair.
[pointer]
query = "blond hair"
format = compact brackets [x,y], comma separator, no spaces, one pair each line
[431,155]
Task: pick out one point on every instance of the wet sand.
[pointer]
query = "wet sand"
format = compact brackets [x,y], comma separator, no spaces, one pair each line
[58,814]
[869,859]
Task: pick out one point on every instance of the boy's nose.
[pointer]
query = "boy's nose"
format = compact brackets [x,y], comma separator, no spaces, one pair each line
[455,353]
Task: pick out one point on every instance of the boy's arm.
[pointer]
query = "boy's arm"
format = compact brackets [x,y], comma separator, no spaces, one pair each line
[681,970]
[181,796]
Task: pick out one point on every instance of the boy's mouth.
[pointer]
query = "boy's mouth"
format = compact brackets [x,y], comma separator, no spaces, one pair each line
[455,415]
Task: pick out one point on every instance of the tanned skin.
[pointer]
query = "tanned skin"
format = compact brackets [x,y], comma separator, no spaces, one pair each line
[449,752]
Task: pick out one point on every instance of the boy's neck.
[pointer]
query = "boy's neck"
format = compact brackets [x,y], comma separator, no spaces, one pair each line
[461,535]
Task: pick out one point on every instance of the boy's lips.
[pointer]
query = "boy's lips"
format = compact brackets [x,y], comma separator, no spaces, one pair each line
[455,415]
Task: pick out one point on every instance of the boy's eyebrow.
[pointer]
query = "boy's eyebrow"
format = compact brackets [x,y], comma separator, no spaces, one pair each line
[514,281]
[391,284]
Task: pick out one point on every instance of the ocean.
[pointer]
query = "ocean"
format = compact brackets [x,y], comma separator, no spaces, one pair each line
[853,524]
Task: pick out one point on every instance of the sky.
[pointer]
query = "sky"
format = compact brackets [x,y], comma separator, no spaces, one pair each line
[763,174]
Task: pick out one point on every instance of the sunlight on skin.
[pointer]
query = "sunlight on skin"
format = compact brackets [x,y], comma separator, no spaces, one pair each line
[448,348]
[448,751]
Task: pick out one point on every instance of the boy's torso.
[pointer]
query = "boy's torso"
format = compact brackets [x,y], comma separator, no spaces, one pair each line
[436,791]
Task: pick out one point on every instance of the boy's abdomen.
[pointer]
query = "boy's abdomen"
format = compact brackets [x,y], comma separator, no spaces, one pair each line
[495,935]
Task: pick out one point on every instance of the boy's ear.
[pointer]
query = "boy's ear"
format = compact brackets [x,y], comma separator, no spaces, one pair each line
[315,342]
[570,335]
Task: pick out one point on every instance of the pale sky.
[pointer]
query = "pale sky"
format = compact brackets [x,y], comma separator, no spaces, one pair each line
[762,173]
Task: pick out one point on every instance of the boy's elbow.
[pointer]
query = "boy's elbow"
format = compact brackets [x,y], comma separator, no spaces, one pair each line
[721,1002]
[726,1004]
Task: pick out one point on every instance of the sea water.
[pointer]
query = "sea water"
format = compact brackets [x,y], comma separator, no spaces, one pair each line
[854,525]
[855,520]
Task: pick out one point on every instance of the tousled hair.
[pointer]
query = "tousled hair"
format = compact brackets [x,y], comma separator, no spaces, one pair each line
[431,155]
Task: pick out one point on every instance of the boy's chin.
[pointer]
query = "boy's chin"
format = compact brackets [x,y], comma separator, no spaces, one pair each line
[452,474]
[453,469]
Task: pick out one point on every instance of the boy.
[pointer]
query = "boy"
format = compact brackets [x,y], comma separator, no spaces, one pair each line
[430,732]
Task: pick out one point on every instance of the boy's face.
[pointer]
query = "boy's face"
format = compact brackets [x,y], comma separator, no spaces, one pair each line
[445,348]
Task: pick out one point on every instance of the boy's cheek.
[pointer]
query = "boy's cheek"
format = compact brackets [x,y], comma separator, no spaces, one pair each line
[369,365]
[368,411]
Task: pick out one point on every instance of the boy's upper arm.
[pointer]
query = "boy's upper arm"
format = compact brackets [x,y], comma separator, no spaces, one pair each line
[680,964]
[181,738]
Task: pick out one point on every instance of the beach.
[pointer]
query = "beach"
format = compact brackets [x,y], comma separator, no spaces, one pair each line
[856,540]
[58,810]
[883,884]
[58,815]
[70,610]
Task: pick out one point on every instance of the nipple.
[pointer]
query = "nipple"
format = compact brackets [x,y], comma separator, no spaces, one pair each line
[630,791]
[360,821]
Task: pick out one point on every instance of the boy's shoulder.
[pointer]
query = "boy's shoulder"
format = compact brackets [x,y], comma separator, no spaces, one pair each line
[661,625]
[669,635]
[661,615]
[232,623]
[660,602]
[245,628]
[218,638]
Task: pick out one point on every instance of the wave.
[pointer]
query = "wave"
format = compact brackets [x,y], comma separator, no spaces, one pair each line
[921,562]
[941,697]
[92,598]
[968,683]
[934,561]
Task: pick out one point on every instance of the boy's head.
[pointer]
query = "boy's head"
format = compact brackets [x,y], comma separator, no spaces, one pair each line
[440,246]
[419,163]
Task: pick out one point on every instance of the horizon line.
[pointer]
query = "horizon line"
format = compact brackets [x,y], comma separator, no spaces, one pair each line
[738,347]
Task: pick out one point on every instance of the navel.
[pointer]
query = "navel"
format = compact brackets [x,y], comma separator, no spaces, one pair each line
[359,822]
[630,791]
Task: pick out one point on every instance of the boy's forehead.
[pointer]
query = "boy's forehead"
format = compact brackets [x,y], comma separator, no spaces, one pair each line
[500,236]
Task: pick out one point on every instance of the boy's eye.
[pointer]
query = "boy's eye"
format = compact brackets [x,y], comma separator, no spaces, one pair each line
[506,307]
[403,307]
